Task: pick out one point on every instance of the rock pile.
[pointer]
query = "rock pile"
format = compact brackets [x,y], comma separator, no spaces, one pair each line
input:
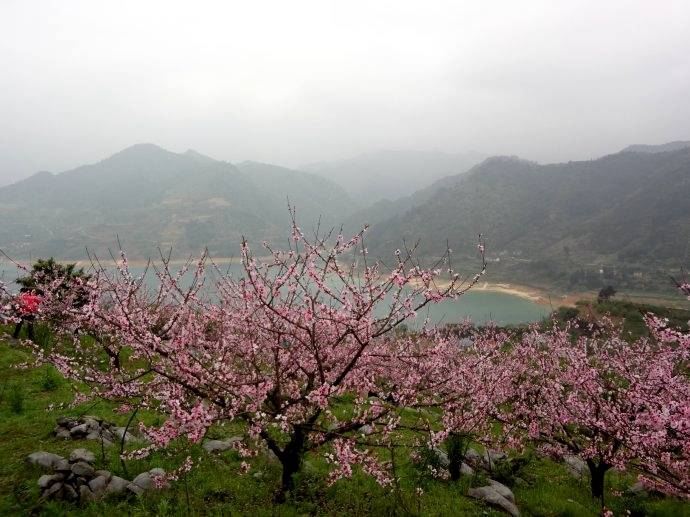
[485,460]
[92,428]
[76,480]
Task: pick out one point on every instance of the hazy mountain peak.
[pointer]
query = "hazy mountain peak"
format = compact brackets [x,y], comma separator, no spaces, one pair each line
[142,150]
[660,148]
[197,156]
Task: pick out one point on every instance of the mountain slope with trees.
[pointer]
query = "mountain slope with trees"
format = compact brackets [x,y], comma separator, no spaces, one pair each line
[623,214]
[151,198]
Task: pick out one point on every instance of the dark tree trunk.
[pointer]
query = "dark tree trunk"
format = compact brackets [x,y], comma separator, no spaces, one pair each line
[291,460]
[597,473]
[17,329]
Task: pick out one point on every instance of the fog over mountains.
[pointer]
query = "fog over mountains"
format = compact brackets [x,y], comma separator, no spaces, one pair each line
[393,174]
[625,215]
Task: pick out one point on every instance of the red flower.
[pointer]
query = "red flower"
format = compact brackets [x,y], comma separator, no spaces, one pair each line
[28,303]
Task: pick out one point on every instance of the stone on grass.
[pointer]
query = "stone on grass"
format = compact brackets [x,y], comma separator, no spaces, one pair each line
[47,460]
[85,494]
[473,457]
[80,430]
[81,468]
[66,420]
[503,490]
[466,470]
[48,479]
[490,496]
[220,445]
[366,430]
[133,487]
[119,432]
[62,434]
[441,456]
[116,485]
[146,481]
[105,473]
[68,492]
[82,455]
[491,457]
[576,466]
[98,485]
[52,491]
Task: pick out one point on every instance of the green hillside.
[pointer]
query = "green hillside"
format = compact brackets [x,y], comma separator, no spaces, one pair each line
[151,197]
[623,218]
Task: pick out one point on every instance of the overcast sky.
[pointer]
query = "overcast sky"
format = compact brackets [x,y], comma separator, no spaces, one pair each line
[291,82]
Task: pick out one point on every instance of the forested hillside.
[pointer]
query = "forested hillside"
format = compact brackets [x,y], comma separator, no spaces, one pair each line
[151,197]
[624,214]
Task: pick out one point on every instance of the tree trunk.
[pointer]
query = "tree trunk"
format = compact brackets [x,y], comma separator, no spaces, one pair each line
[597,473]
[291,460]
[17,329]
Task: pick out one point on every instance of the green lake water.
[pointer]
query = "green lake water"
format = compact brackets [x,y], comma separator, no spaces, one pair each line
[479,306]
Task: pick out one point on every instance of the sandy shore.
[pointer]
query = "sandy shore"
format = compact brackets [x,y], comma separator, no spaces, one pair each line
[533,294]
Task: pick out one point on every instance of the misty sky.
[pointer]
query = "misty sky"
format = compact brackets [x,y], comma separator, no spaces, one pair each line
[291,82]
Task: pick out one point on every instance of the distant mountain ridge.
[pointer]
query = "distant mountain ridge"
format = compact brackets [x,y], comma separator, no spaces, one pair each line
[152,197]
[390,175]
[621,218]
[661,148]
[628,211]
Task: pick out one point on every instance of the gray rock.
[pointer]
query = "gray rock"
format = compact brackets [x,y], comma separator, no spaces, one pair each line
[79,430]
[473,457]
[91,422]
[143,480]
[576,466]
[48,479]
[93,435]
[68,492]
[220,445]
[53,491]
[491,457]
[81,468]
[118,432]
[490,496]
[116,485]
[366,430]
[503,490]
[441,456]
[66,420]
[105,473]
[98,485]
[62,433]
[47,460]
[63,466]
[85,494]
[486,459]
[133,487]
[82,455]
[466,470]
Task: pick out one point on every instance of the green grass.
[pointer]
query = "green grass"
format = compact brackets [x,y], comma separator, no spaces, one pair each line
[215,487]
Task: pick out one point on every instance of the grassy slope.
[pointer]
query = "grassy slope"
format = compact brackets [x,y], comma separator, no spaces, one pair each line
[216,488]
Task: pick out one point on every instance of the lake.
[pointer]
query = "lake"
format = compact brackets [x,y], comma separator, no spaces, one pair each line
[479,306]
